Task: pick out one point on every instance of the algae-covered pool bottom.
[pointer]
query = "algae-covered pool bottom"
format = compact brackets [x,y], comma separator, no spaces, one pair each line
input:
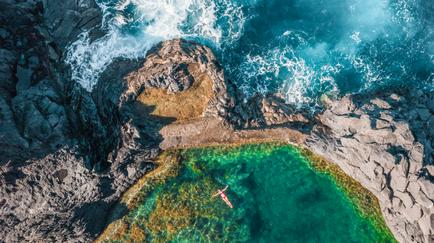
[276,194]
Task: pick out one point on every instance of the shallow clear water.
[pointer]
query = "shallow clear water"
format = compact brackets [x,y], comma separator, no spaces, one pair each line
[301,48]
[277,197]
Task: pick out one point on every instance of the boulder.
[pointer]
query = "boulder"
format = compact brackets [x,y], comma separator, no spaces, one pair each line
[414,213]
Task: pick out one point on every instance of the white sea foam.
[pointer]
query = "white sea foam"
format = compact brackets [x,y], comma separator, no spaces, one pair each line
[298,63]
[298,81]
[134,26]
[356,37]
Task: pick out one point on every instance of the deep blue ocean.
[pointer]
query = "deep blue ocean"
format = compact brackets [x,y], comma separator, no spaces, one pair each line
[299,48]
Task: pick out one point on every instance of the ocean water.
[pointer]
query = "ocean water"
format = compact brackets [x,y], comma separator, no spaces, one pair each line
[299,48]
[277,197]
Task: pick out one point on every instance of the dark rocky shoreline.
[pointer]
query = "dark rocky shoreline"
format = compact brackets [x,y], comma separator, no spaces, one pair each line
[57,140]
[67,155]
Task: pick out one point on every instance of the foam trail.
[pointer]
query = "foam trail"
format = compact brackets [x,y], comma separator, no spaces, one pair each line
[298,81]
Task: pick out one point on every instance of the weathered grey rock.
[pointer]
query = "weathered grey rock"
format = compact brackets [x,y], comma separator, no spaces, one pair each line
[354,136]
[23,75]
[54,135]
[167,67]
[270,110]
[67,19]
[49,128]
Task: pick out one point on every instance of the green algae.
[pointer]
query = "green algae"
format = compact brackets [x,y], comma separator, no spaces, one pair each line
[278,193]
[366,203]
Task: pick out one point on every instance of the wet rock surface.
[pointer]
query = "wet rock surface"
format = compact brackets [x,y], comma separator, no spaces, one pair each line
[67,155]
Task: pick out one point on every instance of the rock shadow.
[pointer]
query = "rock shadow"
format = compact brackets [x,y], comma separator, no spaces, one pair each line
[49,124]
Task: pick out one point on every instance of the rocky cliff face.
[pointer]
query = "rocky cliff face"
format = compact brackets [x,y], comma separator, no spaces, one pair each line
[66,155]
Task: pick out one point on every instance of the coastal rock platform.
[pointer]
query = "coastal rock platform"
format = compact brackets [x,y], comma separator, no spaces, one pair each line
[385,144]
[379,140]
[67,155]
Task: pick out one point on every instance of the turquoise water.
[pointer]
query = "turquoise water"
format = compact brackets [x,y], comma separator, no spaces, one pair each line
[277,197]
[300,48]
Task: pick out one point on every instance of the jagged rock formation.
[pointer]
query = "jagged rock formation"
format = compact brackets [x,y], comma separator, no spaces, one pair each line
[177,66]
[66,155]
[54,135]
[271,111]
[386,144]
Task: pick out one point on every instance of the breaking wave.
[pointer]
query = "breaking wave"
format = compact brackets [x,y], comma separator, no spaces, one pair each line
[301,49]
[134,26]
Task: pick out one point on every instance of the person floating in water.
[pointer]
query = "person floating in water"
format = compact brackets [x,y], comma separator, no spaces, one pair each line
[223,196]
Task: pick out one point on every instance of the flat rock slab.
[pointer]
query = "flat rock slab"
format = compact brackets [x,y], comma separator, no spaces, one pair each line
[214,132]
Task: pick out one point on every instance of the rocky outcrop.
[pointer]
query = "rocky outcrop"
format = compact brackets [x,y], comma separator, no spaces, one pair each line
[33,88]
[175,66]
[385,142]
[33,120]
[65,20]
[271,111]
[66,155]
[57,199]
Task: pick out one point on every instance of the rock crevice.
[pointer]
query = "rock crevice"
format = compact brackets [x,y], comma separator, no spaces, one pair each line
[371,139]
[67,155]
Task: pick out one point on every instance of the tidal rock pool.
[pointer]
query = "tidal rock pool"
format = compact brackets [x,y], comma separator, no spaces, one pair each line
[278,196]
